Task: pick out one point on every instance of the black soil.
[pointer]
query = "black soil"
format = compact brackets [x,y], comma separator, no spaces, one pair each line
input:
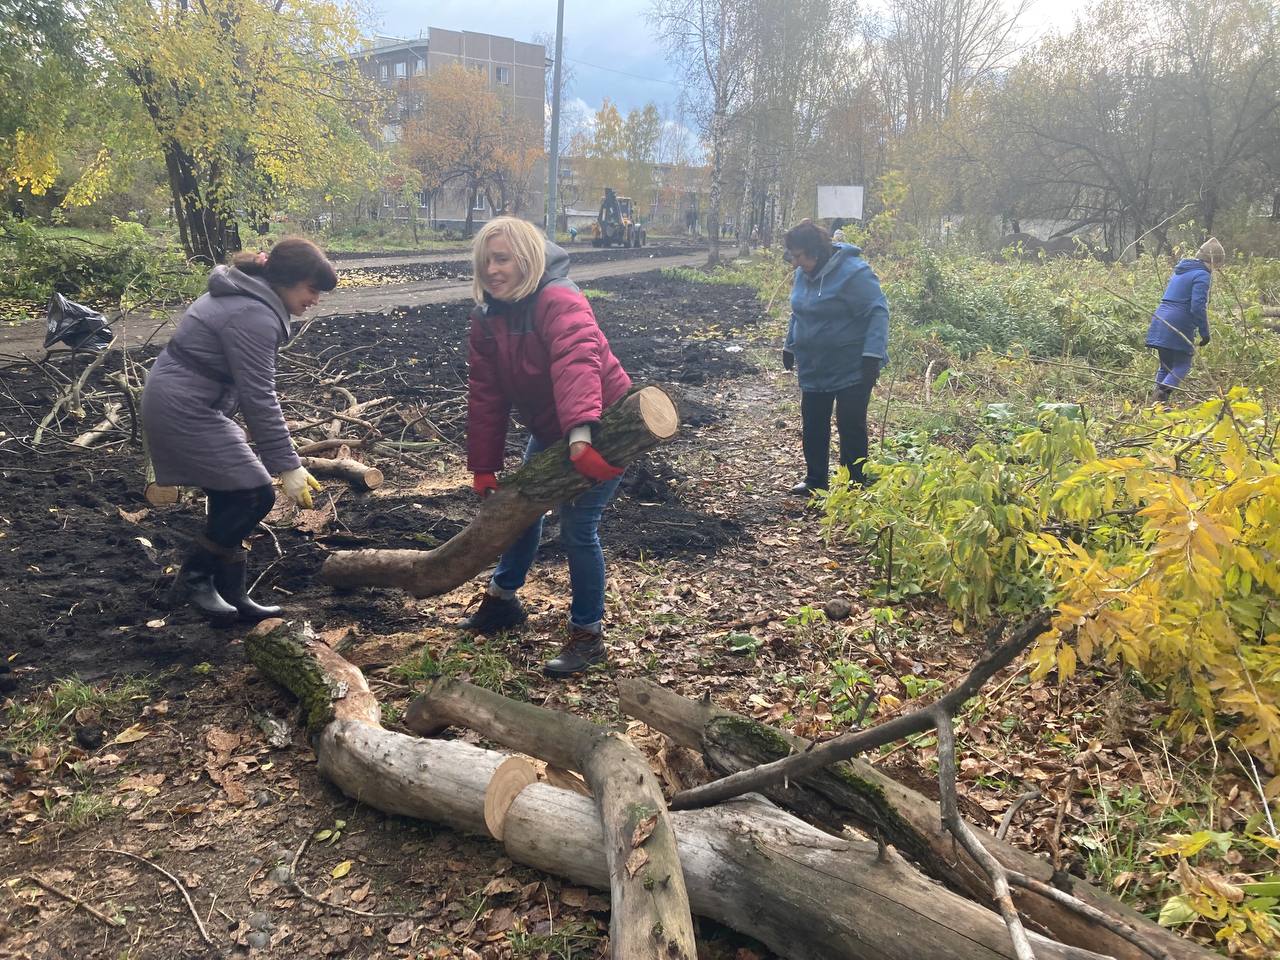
[86,565]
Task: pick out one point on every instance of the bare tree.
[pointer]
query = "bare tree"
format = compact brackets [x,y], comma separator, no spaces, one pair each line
[709,40]
[933,50]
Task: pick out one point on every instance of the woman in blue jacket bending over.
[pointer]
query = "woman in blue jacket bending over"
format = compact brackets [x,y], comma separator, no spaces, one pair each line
[837,342]
[1183,313]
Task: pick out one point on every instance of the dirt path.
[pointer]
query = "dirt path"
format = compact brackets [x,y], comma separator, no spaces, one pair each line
[28,341]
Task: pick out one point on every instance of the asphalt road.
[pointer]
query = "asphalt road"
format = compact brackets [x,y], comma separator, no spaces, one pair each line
[17,343]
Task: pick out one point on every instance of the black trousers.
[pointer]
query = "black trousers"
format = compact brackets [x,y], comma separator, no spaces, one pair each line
[234,513]
[851,421]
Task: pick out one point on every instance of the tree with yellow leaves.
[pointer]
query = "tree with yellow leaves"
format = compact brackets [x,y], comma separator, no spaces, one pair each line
[466,138]
[251,102]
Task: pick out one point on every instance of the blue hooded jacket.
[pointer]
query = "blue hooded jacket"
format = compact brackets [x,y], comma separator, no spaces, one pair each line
[837,318]
[1183,309]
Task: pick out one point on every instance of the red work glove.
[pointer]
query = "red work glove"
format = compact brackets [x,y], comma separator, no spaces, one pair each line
[484,484]
[588,462]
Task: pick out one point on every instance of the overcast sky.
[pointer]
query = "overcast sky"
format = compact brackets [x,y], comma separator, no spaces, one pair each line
[608,43]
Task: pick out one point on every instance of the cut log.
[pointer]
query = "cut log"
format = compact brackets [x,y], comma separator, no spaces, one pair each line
[337,443]
[803,893]
[512,776]
[359,475]
[855,791]
[650,916]
[640,421]
[106,426]
[160,496]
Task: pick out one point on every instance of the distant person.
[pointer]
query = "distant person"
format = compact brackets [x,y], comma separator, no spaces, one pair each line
[755,235]
[222,358]
[535,347]
[573,234]
[19,209]
[1182,314]
[837,342]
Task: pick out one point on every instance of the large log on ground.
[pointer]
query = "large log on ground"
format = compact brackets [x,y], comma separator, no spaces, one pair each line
[640,421]
[805,894]
[857,792]
[650,908]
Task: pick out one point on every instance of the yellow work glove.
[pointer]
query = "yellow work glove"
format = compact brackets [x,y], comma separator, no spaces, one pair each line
[298,485]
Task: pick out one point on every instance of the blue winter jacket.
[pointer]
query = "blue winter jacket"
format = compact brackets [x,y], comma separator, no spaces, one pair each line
[1183,309]
[837,318]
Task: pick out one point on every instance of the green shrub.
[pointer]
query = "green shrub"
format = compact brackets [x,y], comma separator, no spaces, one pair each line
[128,269]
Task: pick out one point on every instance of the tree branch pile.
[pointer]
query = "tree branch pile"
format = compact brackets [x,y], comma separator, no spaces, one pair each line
[745,863]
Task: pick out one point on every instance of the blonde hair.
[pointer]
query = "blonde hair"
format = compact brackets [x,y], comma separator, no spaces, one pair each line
[527,248]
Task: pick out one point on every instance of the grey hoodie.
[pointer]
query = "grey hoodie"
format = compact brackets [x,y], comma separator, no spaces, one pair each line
[222,357]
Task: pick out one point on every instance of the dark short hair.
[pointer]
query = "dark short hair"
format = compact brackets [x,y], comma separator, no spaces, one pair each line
[291,261]
[808,238]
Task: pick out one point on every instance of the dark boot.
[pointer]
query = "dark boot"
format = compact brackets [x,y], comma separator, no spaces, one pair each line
[194,583]
[583,649]
[495,614]
[232,580]
[805,488]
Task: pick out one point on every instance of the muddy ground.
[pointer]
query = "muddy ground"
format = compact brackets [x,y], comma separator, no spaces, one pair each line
[84,578]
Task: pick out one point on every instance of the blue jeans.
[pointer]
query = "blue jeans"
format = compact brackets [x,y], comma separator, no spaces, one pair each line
[580,536]
[1174,367]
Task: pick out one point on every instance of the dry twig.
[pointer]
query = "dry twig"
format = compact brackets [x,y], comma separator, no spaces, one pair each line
[75,901]
[204,933]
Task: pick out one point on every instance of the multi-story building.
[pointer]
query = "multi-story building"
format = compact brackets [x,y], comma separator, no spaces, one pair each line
[516,71]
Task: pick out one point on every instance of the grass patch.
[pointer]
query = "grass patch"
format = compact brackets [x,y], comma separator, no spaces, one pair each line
[477,660]
[570,941]
[591,293]
[53,713]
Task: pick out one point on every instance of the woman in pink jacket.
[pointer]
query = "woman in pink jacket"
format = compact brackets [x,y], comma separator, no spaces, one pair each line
[535,348]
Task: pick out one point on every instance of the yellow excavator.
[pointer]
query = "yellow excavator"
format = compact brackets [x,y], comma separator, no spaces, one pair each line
[616,223]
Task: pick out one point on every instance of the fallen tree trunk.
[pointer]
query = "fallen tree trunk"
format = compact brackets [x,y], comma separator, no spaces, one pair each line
[628,428]
[650,916]
[359,475]
[854,790]
[805,894]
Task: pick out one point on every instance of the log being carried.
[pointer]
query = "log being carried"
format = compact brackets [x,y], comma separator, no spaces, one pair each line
[534,346]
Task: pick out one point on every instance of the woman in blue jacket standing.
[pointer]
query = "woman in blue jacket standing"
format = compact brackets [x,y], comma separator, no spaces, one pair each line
[837,342]
[1182,314]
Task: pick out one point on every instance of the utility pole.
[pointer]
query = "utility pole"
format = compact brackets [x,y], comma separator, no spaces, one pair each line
[553,157]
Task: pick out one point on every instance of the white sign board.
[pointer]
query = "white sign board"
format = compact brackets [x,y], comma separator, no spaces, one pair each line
[842,202]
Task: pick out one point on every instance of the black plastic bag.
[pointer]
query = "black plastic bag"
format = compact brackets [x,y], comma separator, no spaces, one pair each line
[76,325]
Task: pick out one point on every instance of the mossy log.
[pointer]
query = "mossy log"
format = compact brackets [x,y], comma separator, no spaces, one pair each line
[856,792]
[803,893]
[633,425]
[650,916]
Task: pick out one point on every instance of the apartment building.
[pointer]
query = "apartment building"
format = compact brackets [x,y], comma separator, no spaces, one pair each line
[516,71]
